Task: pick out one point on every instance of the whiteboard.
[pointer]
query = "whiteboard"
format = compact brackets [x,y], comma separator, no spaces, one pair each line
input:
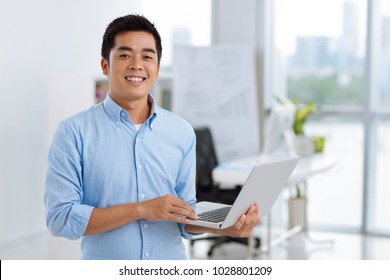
[216,87]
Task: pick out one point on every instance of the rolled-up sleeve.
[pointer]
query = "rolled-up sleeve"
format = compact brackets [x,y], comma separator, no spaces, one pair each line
[185,184]
[66,216]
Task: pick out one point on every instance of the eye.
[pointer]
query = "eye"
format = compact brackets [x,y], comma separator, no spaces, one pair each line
[124,56]
[148,57]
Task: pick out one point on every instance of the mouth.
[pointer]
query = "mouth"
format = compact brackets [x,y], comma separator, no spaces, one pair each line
[134,79]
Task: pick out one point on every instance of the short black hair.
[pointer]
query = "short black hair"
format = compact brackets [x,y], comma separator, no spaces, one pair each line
[129,23]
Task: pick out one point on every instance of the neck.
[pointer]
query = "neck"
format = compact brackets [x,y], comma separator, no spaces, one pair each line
[139,110]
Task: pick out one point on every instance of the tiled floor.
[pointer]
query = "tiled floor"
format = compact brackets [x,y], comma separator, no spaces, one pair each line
[298,247]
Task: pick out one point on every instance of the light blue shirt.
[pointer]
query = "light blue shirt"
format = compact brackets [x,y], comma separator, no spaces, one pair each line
[99,159]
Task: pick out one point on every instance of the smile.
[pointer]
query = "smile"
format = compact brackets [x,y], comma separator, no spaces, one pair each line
[134,79]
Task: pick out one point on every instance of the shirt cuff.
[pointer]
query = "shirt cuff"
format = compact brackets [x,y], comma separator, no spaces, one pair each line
[185,234]
[81,213]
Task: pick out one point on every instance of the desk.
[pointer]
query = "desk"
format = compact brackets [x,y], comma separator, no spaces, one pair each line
[236,172]
[232,173]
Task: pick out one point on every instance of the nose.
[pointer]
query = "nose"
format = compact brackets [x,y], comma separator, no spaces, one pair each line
[135,64]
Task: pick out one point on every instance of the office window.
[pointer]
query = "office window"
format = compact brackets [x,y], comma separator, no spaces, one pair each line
[378,218]
[384,58]
[179,23]
[385,53]
[381,215]
[335,196]
[320,55]
[322,45]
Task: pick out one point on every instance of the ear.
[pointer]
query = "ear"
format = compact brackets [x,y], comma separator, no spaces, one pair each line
[104,65]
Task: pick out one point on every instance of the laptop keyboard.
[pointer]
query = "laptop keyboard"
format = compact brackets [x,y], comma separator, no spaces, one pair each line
[215,216]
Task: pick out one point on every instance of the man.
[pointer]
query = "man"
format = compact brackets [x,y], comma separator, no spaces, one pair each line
[121,174]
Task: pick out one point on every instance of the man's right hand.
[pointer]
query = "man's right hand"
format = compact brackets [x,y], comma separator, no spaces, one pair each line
[168,208]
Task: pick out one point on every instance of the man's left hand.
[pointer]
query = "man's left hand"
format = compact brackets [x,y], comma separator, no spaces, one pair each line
[244,225]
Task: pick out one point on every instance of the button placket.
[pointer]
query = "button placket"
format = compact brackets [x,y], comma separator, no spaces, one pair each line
[139,167]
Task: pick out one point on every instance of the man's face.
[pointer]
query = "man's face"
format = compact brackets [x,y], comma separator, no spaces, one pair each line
[133,66]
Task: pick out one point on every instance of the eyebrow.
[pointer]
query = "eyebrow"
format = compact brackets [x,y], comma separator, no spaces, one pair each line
[125,48]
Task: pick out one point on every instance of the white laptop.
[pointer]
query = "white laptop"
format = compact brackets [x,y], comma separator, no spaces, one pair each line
[263,185]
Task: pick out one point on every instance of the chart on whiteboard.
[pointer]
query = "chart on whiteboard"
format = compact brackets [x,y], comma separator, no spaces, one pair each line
[216,87]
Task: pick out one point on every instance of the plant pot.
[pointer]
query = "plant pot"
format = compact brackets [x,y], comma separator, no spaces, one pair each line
[304,145]
[307,146]
[297,214]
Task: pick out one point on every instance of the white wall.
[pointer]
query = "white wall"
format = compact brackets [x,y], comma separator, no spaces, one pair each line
[236,22]
[40,39]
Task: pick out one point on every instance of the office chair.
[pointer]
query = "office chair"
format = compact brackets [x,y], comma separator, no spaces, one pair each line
[206,189]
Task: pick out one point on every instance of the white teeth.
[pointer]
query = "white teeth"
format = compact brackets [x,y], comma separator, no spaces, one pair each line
[134,79]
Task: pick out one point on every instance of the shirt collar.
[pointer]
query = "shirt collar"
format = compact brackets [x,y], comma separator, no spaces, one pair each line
[153,110]
[114,110]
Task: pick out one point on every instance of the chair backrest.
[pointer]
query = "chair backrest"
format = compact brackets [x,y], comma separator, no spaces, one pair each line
[206,159]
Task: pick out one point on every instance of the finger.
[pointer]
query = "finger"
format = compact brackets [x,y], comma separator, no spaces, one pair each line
[252,209]
[257,208]
[178,219]
[190,213]
[253,222]
[179,207]
[238,225]
[182,208]
[255,218]
[250,214]
[177,202]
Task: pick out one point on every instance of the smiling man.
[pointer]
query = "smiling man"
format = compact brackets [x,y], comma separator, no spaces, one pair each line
[121,175]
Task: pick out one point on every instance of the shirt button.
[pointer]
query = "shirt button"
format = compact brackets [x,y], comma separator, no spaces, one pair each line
[142,196]
[145,225]
[147,254]
[140,167]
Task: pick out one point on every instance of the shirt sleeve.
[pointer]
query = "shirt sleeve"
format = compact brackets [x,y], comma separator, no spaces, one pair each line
[66,216]
[185,184]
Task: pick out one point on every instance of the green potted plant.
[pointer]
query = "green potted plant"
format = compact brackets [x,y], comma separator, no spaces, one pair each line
[304,144]
[301,115]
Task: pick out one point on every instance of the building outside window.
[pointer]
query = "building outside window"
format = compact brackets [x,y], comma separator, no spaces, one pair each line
[322,52]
